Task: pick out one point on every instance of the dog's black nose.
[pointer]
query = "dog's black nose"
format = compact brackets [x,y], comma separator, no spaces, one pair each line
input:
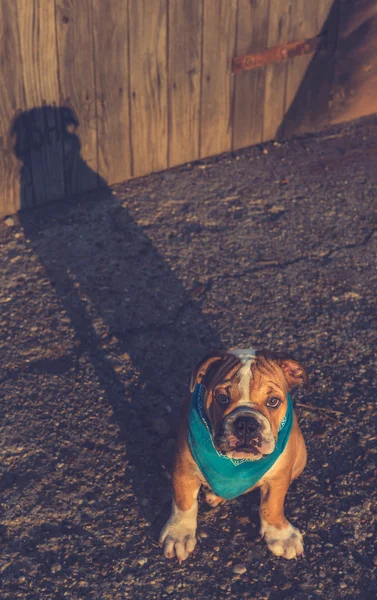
[245,427]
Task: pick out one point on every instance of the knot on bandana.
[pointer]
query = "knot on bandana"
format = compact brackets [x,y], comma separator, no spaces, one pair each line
[229,477]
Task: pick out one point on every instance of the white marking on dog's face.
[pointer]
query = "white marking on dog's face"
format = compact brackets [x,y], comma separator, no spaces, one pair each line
[244,386]
[286,542]
[247,357]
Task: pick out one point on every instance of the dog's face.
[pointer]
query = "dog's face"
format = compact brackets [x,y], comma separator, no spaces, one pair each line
[246,398]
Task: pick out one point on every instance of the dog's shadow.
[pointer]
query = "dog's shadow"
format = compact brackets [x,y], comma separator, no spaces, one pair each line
[107,270]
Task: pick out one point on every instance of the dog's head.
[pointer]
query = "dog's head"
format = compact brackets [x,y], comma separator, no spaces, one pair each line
[246,398]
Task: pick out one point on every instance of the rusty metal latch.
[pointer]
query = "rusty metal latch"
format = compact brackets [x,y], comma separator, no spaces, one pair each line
[280,53]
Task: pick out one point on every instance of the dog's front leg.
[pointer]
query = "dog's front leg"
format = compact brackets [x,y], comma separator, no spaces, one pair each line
[178,537]
[281,537]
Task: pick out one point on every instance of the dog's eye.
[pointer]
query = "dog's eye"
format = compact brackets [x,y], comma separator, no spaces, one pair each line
[222,398]
[273,402]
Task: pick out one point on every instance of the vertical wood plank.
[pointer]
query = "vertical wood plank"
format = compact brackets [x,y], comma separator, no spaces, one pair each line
[112,89]
[74,23]
[252,36]
[42,124]
[148,73]
[309,78]
[355,75]
[276,74]
[185,33]
[303,25]
[219,30]
[38,51]
[12,100]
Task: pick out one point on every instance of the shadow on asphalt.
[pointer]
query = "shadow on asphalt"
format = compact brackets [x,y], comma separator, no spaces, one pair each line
[150,318]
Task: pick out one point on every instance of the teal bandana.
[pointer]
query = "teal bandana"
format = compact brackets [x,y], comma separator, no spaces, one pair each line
[229,477]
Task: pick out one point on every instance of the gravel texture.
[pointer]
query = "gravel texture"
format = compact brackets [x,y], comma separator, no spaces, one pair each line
[107,302]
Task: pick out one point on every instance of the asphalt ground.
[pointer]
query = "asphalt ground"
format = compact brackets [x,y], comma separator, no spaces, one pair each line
[108,300]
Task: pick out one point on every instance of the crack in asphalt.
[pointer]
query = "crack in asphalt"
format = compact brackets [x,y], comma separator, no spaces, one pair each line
[170,326]
[265,265]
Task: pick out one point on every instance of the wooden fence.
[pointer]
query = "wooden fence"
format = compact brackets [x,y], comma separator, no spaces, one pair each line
[96,91]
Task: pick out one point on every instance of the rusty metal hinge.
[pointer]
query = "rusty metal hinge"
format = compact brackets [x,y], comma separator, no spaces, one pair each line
[280,53]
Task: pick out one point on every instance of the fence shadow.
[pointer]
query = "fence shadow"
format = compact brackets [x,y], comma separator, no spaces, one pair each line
[156,325]
[340,82]
[309,108]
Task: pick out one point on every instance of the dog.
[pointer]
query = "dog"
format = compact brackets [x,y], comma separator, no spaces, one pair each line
[237,432]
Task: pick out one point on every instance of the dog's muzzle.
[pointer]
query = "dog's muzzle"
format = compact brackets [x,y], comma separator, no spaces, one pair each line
[245,431]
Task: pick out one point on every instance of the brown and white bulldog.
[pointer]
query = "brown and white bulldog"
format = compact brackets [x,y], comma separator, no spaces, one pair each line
[245,403]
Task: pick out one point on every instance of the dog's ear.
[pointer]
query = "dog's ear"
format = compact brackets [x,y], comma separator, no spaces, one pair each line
[198,374]
[294,372]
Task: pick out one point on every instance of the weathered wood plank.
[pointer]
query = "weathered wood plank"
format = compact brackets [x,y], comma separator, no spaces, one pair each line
[148,72]
[74,23]
[42,123]
[274,95]
[252,30]
[219,31]
[12,101]
[185,32]
[355,77]
[309,78]
[112,89]
[303,25]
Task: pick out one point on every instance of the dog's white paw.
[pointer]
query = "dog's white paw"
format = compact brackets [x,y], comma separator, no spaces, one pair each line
[178,536]
[286,542]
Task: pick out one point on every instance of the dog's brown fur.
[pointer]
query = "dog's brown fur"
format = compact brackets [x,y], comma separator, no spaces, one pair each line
[271,373]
